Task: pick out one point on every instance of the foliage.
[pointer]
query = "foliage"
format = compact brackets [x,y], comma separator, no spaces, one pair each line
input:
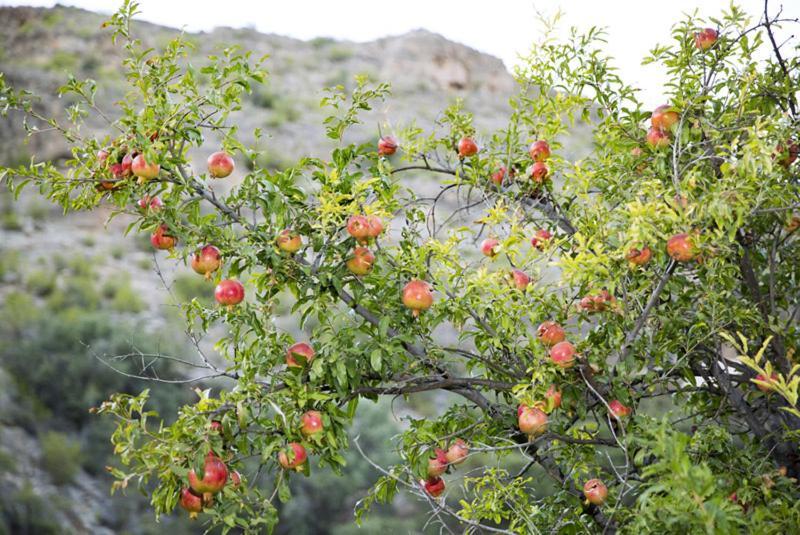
[725,184]
[60,456]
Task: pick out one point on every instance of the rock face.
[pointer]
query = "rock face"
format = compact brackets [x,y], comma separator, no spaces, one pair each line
[39,47]
[422,57]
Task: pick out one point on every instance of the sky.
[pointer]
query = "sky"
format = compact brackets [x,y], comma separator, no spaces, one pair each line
[503,28]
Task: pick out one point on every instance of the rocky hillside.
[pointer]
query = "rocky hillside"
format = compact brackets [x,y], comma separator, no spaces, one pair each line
[53,267]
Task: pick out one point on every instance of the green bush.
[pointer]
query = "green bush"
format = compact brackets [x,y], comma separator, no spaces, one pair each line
[61,456]
[339,53]
[41,282]
[9,263]
[24,512]
[122,295]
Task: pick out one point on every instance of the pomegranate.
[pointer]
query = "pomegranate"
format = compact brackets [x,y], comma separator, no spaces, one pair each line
[418,296]
[387,145]
[302,350]
[220,164]
[550,333]
[541,239]
[144,170]
[289,241]
[539,172]
[434,487]
[361,261]
[375,226]
[358,227]
[437,465]
[595,491]
[563,355]
[162,239]
[639,257]
[681,248]
[292,457]
[539,151]
[618,409]
[518,279]
[229,293]
[214,476]
[191,502]
[311,423]
[150,204]
[457,452]
[467,147]
[531,420]
[489,247]
[206,261]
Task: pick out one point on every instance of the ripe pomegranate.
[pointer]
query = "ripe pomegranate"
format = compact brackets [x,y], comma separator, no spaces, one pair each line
[705,38]
[767,387]
[292,457]
[361,261]
[214,476]
[191,502]
[300,350]
[375,226]
[595,491]
[289,241]
[489,247]
[541,239]
[387,145]
[664,117]
[102,157]
[539,151]
[151,204]
[657,138]
[639,257]
[144,170]
[531,420]
[229,293]
[553,396]
[127,163]
[563,354]
[499,175]
[433,486]
[518,279]
[457,452]
[467,147]
[358,227]
[418,296]
[311,423]
[206,260]
[539,172]
[162,239]
[437,465]
[787,156]
[681,248]
[597,303]
[550,333]
[220,164]
[618,409]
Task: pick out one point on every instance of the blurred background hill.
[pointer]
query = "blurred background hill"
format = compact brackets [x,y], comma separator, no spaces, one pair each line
[74,293]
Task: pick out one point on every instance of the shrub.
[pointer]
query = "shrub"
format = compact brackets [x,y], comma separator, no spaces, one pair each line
[61,456]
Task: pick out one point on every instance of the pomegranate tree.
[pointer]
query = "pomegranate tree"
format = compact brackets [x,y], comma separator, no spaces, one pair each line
[662,244]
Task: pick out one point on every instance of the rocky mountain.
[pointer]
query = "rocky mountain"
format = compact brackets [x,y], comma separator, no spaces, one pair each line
[44,255]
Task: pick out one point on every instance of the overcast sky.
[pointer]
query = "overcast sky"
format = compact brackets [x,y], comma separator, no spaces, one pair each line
[502,28]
